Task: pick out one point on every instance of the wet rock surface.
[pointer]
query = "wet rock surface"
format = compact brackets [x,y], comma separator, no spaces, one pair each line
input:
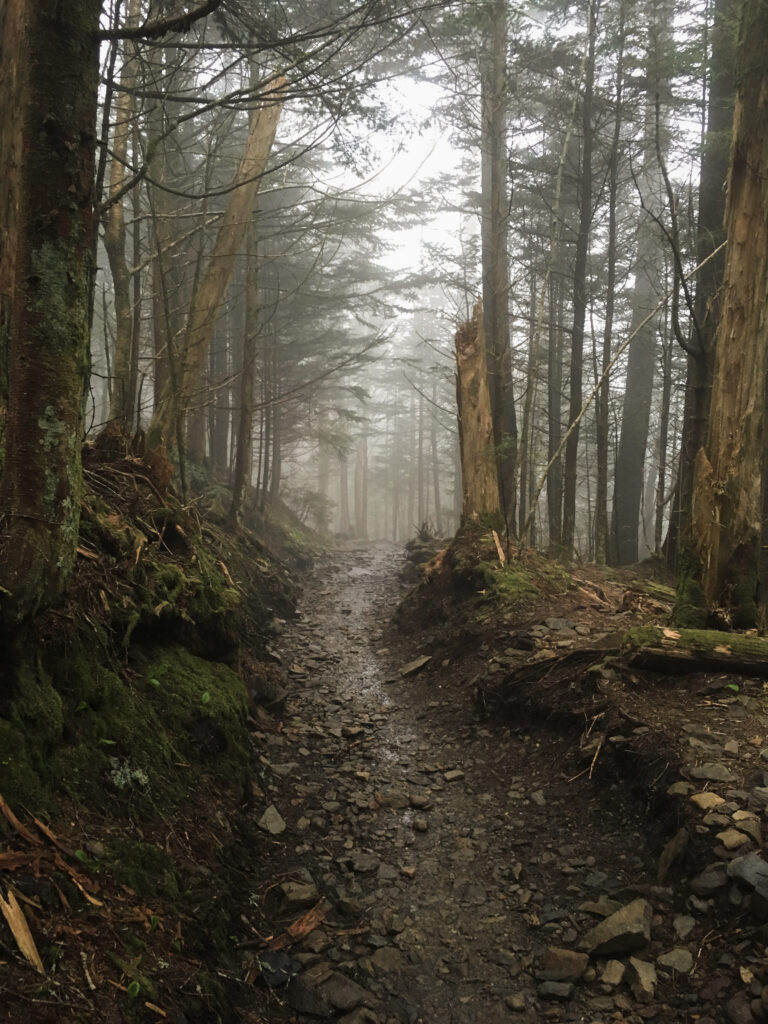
[469,870]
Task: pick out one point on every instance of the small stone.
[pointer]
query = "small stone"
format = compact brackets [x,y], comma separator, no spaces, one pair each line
[408,872]
[389,960]
[343,993]
[710,880]
[96,848]
[711,771]
[420,823]
[752,871]
[515,1002]
[672,852]
[613,973]
[683,925]
[559,964]
[362,1015]
[454,775]
[603,906]
[627,930]
[731,747]
[271,821]
[538,798]
[420,801]
[297,895]
[716,820]
[559,990]
[364,863]
[387,873]
[642,979]
[392,796]
[706,801]
[738,1009]
[732,838]
[678,959]
[680,788]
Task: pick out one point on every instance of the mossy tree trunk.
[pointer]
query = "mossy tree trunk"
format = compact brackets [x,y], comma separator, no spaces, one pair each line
[478,469]
[40,488]
[726,519]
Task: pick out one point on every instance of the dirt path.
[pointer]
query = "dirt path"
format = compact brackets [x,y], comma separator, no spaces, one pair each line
[452,851]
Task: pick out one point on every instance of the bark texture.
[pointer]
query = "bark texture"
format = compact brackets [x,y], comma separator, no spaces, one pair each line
[41,484]
[478,467]
[726,500]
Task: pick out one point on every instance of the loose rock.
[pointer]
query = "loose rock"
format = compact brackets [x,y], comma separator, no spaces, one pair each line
[642,979]
[559,964]
[271,821]
[626,931]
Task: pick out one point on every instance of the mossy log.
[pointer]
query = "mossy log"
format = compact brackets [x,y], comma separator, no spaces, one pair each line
[693,650]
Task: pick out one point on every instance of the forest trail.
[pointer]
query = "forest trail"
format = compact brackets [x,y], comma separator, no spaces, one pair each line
[452,850]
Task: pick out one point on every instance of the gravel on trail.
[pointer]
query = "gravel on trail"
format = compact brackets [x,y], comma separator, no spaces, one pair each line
[470,870]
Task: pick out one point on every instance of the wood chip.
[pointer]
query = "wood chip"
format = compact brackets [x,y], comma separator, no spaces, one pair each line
[17,922]
[414,666]
[302,927]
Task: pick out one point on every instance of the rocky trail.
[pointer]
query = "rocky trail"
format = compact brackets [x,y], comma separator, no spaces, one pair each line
[450,867]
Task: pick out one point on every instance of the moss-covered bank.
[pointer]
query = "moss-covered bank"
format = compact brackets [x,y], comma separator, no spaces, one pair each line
[127,693]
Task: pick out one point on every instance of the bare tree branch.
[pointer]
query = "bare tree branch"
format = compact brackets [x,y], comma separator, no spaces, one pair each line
[156,29]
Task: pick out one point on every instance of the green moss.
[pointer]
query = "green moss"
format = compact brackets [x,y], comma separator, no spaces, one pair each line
[690,608]
[20,767]
[145,868]
[96,735]
[701,642]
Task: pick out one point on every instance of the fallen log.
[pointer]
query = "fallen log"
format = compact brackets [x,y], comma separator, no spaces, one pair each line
[692,650]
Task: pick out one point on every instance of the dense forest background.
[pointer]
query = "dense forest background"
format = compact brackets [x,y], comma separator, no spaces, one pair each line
[295,207]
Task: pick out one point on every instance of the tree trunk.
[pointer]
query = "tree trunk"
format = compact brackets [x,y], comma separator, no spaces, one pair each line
[478,469]
[726,501]
[604,394]
[666,397]
[55,101]
[495,258]
[435,464]
[244,441]
[345,523]
[633,440]
[421,476]
[694,650]
[580,287]
[525,449]
[710,234]
[123,402]
[12,85]
[361,488]
[554,418]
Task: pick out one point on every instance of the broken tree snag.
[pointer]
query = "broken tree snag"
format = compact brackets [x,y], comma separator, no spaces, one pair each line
[693,650]
[727,498]
[480,486]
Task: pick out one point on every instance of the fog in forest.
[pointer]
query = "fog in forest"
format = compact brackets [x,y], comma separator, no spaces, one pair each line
[416,162]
